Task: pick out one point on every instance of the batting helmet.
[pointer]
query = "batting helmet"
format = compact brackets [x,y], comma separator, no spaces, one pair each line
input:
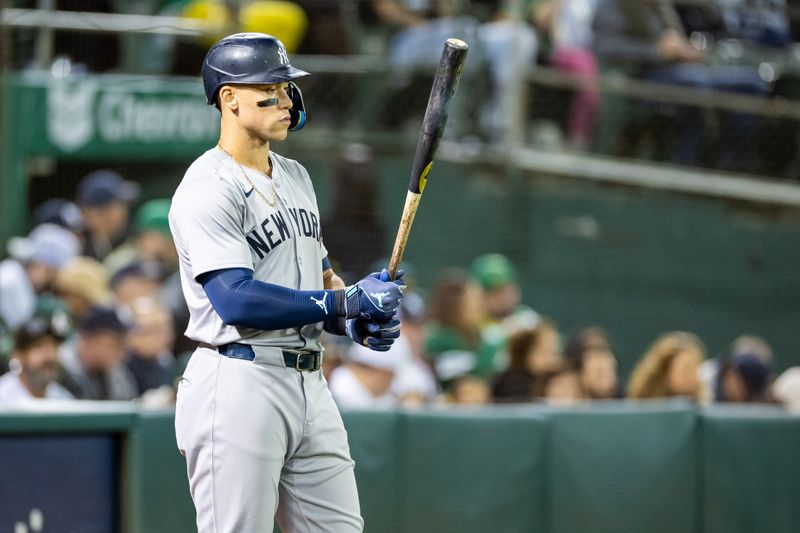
[253,59]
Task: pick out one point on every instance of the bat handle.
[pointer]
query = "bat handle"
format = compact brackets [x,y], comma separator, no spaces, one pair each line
[409,211]
[394,264]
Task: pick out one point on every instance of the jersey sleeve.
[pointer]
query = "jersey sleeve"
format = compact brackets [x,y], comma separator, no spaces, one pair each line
[210,228]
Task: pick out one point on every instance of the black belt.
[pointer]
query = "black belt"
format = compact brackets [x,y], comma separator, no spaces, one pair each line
[300,361]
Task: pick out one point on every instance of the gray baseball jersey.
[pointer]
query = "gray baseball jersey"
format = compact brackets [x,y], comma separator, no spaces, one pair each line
[219,221]
[267,437]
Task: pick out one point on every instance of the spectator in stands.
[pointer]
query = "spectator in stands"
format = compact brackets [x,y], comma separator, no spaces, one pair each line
[34,362]
[534,354]
[562,387]
[670,367]
[509,48]
[82,283]
[354,230]
[147,265]
[360,381]
[420,29]
[104,198]
[453,337]
[786,389]
[588,352]
[60,212]
[415,383]
[149,345]
[764,23]
[136,280]
[469,390]
[365,379]
[568,24]
[743,374]
[95,370]
[503,313]
[152,241]
[646,39]
[31,270]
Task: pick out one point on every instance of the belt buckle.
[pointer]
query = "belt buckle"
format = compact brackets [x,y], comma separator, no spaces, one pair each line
[315,361]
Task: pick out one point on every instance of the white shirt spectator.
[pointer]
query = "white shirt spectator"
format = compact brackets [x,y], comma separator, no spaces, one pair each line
[413,376]
[349,393]
[12,389]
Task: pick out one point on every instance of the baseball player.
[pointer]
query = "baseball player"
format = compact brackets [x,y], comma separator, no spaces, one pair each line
[262,437]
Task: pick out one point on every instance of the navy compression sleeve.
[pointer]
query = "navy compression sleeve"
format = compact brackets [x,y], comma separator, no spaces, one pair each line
[241,300]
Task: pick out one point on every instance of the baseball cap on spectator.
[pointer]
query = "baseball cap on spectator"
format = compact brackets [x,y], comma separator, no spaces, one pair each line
[102,318]
[35,329]
[754,371]
[138,269]
[60,212]
[752,358]
[493,270]
[56,311]
[383,360]
[47,243]
[153,215]
[412,308]
[101,187]
[85,277]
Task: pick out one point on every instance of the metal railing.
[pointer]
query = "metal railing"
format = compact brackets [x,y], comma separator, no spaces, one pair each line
[46,20]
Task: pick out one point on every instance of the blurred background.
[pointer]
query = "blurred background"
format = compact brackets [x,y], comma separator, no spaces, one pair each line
[609,237]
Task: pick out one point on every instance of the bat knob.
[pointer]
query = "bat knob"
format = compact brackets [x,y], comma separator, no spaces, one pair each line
[457,43]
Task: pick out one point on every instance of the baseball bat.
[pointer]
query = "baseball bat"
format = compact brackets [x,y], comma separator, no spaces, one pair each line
[444,87]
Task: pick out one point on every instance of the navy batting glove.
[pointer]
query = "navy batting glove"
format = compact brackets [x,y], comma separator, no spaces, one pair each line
[374,297]
[377,336]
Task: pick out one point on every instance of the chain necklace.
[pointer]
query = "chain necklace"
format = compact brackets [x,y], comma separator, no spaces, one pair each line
[253,185]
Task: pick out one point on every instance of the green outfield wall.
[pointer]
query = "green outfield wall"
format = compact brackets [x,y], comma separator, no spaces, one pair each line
[607,468]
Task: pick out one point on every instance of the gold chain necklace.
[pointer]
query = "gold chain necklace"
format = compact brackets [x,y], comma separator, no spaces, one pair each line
[253,185]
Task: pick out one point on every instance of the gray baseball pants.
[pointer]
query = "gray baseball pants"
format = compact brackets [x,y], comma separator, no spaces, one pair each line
[264,442]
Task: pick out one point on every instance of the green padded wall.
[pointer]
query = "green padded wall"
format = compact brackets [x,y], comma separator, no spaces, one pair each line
[752,471]
[467,473]
[375,441]
[614,469]
[157,490]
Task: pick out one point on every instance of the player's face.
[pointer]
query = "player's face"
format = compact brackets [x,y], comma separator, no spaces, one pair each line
[263,110]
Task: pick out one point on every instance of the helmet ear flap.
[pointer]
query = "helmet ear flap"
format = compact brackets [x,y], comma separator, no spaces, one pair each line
[298,110]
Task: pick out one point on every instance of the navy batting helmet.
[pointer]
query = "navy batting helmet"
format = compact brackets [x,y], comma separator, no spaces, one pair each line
[253,59]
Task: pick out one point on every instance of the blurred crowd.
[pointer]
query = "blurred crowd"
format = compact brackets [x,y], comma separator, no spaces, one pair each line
[739,47]
[473,341]
[91,304]
[91,309]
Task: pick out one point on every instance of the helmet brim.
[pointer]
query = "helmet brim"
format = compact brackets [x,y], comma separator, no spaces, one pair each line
[287,74]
